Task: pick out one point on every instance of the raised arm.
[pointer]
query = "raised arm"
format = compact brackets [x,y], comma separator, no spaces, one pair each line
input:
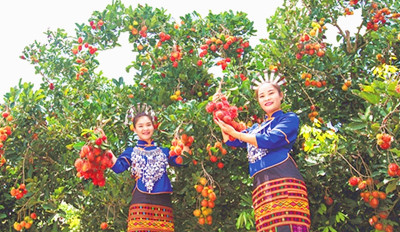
[284,133]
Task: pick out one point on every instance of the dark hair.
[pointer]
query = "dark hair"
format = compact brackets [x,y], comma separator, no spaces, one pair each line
[139,115]
[275,85]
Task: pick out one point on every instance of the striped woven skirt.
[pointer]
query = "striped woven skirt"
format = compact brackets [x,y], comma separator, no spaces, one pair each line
[280,199]
[150,213]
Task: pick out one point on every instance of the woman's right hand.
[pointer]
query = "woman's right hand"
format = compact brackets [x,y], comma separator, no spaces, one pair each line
[228,129]
[218,96]
[225,129]
[113,158]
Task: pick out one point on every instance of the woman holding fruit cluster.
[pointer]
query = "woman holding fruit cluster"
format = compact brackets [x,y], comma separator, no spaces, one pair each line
[279,193]
[150,208]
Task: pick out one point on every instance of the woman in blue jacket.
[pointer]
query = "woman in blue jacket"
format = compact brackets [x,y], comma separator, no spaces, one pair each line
[279,193]
[150,208]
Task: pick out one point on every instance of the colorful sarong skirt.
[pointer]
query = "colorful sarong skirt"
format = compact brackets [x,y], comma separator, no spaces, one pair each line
[150,213]
[280,199]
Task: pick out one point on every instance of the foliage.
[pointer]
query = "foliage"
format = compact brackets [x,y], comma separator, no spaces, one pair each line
[344,95]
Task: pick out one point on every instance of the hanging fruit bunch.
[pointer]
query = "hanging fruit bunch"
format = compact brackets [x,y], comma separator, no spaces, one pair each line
[19,192]
[384,140]
[94,157]
[222,110]
[179,145]
[5,132]
[213,153]
[206,198]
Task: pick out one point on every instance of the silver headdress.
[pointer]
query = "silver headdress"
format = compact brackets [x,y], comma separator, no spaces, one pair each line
[137,109]
[269,77]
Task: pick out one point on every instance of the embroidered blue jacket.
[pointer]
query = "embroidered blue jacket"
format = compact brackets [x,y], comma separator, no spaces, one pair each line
[274,141]
[152,173]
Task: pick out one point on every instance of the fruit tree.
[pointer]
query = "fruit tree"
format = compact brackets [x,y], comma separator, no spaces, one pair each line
[54,140]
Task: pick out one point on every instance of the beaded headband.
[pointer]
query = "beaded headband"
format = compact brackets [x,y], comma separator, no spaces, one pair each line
[135,110]
[269,77]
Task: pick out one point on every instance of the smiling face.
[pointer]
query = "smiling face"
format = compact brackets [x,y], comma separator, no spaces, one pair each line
[269,97]
[144,128]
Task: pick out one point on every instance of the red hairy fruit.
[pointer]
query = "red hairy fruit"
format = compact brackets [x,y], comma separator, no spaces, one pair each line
[222,110]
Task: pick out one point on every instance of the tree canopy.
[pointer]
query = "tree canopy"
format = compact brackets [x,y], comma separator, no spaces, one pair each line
[347,97]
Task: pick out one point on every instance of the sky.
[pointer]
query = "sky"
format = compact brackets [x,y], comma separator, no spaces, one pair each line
[24,21]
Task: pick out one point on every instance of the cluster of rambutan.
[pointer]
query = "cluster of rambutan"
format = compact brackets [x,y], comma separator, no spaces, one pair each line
[222,110]
[94,158]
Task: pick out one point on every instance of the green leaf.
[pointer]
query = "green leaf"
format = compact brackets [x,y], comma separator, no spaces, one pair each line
[332,229]
[391,186]
[375,127]
[395,150]
[78,145]
[372,98]
[2,216]
[322,209]
[49,207]
[356,125]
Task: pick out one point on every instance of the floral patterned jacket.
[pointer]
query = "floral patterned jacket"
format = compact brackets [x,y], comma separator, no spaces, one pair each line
[148,163]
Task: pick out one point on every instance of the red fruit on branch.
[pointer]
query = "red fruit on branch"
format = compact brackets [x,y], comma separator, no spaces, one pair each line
[78,164]
[387,138]
[212,196]
[385,146]
[33,216]
[362,185]
[99,141]
[328,200]
[213,48]
[204,203]
[393,167]
[320,53]
[383,214]
[374,203]
[353,181]
[104,225]
[179,159]
[219,114]
[220,165]
[227,119]
[199,188]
